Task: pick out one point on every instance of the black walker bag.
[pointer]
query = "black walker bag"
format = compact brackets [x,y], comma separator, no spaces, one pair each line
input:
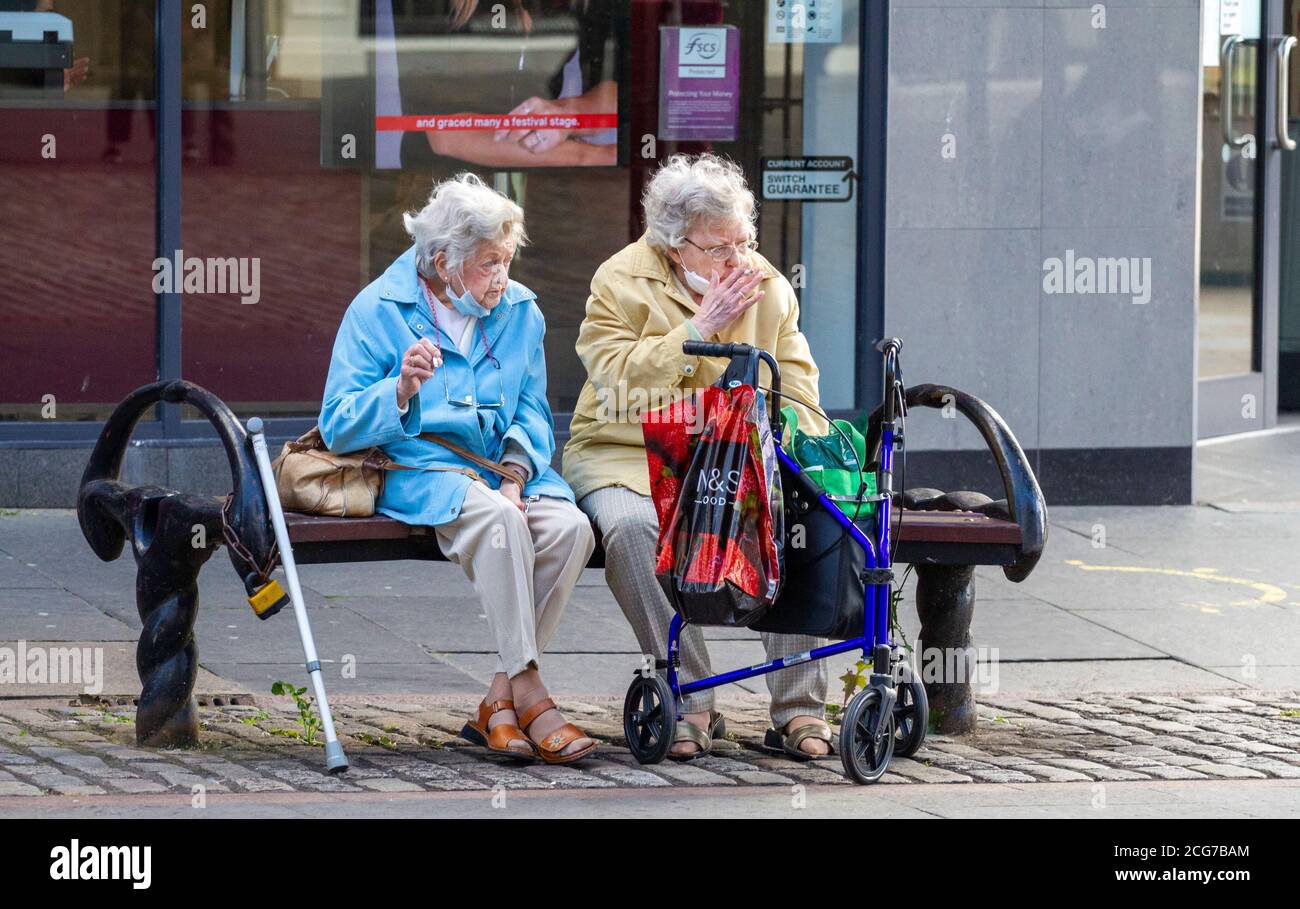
[822,593]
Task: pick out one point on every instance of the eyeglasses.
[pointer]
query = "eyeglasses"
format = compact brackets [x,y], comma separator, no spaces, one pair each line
[468,400]
[726,251]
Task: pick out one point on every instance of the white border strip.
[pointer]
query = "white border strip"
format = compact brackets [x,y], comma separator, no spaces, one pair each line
[1253,434]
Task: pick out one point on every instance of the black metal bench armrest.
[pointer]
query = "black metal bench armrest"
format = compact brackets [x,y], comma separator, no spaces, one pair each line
[1024,497]
[106,507]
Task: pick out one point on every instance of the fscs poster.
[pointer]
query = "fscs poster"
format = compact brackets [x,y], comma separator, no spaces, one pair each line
[699,83]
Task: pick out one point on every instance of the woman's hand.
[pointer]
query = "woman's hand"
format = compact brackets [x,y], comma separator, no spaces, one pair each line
[418,364]
[600,99]
[536,141]
[727,299]
[510,489]
[76,74]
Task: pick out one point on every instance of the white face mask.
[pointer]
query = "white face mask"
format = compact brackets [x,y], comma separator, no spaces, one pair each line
[465,302]
[694,281]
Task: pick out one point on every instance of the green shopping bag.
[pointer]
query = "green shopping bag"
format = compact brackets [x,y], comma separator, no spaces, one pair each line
[837,467]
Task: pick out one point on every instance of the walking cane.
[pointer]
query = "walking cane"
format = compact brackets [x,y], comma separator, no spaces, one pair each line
[335,760]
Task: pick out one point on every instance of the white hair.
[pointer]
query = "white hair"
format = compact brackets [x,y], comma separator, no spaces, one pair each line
[692,189]
[461,213]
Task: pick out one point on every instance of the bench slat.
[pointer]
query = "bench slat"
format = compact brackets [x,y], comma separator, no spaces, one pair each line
[306,528]
[918,526]
[955,527]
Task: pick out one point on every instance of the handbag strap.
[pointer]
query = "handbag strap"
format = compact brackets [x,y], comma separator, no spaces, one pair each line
[313,441]
[504,471]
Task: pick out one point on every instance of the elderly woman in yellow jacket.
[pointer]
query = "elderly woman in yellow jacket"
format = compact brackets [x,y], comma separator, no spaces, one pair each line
[695,274]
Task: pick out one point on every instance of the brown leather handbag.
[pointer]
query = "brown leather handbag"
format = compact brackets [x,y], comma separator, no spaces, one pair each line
[314,480]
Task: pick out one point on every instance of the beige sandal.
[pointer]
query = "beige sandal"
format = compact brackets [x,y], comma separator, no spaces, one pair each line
[689,732]
[790,742]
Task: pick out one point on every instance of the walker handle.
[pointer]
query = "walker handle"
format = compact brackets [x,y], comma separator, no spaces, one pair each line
[714,349]
[742,352]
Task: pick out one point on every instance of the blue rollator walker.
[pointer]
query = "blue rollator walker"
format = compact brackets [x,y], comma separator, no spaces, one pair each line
[842,568]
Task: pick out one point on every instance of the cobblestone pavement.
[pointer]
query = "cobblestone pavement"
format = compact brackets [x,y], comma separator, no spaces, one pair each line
[57,747]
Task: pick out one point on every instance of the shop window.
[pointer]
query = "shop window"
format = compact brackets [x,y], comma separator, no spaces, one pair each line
[77,212]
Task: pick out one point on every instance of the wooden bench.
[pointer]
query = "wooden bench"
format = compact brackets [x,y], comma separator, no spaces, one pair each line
[928,537]
[943,535]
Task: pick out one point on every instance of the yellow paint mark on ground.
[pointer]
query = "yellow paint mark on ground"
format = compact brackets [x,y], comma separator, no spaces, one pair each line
[1269,594]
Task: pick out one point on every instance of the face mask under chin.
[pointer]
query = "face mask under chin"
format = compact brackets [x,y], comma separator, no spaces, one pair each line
[465,303]
[695,282]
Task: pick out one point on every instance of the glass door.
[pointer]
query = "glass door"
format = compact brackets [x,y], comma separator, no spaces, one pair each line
[1242,149]
[1288,366]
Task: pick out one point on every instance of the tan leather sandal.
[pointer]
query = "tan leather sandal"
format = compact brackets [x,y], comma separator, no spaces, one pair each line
[789,742]
[703,741]
[551,748]
[497,738]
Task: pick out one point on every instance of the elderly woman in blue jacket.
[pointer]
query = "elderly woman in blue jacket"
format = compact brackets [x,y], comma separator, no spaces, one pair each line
[443,342]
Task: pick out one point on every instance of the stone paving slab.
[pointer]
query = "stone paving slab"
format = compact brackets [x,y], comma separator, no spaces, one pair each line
[409,744]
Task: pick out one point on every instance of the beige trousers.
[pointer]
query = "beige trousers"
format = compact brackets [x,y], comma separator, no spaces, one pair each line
[629,531]
[522,570]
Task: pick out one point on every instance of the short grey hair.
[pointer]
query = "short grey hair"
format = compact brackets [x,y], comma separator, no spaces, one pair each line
[690,189]
[461,213]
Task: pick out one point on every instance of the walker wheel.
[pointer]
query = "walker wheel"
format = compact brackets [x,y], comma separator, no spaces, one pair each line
[649,718]
[911,716]
[865,760]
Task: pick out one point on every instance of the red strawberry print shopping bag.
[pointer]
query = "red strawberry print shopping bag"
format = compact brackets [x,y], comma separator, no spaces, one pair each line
[717,493]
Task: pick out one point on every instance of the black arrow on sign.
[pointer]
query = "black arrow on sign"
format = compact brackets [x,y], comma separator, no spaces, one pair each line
[850,178]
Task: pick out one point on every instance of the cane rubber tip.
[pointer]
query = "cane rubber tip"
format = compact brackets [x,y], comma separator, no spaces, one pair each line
[335,760]
[255,425]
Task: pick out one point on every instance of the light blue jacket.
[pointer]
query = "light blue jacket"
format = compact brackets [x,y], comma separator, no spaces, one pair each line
[360,406]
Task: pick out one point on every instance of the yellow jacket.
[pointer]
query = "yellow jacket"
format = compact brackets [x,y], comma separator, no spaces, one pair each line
[631,343]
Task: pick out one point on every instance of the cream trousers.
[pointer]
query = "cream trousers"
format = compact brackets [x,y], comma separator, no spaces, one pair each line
[522,570]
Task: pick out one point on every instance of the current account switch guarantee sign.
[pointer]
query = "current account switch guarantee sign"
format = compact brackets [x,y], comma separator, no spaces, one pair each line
[810,178]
